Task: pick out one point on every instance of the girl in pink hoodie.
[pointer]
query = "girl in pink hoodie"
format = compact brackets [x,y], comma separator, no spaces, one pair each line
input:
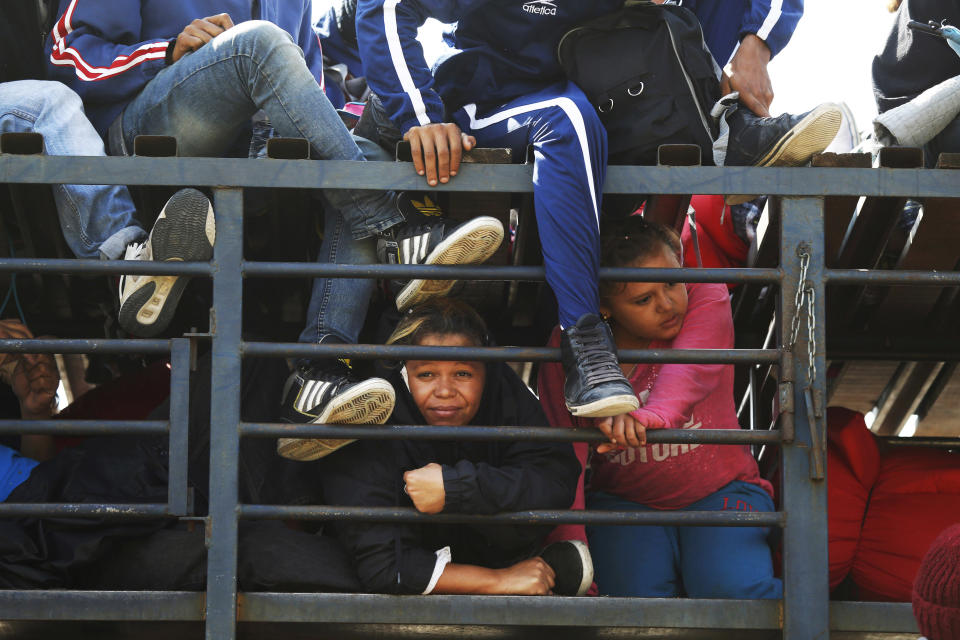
[628,474]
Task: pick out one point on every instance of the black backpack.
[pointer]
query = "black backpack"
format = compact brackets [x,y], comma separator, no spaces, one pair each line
[649,74]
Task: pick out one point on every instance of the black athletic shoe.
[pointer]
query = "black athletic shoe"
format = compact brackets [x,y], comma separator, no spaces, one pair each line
[184,232]
[328,393]
[427,238]
[573,566]
[784,141]
[595,386]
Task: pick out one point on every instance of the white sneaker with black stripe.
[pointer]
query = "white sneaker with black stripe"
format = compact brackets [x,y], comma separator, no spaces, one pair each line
[426,238]
[184,232]
[328,393]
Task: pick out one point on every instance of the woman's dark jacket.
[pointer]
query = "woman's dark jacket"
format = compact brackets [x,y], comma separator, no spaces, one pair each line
[478,477]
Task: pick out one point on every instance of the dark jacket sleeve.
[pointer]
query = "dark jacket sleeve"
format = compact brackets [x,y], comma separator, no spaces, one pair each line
[529,476]
[389,557]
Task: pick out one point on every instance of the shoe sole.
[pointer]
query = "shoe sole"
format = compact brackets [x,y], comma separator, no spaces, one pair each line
[368,402]
[606,407]
[809,137]
[474,242]
[184,232]
[586,561]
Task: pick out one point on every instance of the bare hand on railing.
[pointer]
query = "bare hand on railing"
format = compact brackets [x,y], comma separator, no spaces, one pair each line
[623,431]
[33,376]
[425,488]
[198,33]
[437,150]
[532,577]
[747,73]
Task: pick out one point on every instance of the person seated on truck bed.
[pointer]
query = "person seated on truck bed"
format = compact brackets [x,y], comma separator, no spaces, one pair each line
[199,70]
[502,86]
[97,221]
[456,477]
[627,474]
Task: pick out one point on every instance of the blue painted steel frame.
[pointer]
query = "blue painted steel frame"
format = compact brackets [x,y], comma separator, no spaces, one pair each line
[806,611]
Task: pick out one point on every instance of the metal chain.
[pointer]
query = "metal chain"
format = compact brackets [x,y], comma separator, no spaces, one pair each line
[811,336]
[799,299]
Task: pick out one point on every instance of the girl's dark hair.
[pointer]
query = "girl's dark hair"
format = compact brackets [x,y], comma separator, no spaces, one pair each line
[628,240]
[443,317]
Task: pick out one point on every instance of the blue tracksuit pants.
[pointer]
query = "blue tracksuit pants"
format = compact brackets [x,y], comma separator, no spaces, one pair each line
[699,562]
[570,150]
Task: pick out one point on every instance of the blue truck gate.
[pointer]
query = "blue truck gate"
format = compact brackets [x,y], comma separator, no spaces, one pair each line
[805,611]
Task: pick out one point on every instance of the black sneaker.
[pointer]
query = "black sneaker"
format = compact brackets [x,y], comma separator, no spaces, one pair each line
[427,238]
[329,393]
[184,232]
[573,566]
[595,386]
[784,141]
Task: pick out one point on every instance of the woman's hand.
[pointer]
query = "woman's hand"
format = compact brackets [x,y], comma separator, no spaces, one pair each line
[623,431]
[425,488]
[532,577]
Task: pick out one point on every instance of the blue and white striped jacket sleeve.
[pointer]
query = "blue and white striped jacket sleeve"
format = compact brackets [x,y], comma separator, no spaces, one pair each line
[393,58]
[773,21]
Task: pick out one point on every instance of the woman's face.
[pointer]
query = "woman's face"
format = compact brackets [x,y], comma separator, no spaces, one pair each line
[447,393]
[646,311]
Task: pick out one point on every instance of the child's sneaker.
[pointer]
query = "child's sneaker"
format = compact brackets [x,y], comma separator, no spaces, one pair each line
[184,232]
[573,566]
[427,238]
[595,386]
[328,393]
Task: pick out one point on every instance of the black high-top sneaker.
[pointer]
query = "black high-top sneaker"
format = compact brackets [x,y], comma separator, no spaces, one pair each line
[327,392]
[595,385]
[426,238]
[572,565]
[784,141]
[184,232]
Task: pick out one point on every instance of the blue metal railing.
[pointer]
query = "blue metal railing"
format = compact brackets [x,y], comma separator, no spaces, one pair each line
[804,612]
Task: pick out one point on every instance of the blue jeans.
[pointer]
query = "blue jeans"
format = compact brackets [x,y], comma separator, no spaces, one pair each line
[207,98]
[700,562]
[96,220]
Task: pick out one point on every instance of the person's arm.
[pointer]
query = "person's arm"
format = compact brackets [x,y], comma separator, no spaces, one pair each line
[532,577]
[309,42]
[34,378]
[398,73]
[764,31]
[97,50]
[679,387]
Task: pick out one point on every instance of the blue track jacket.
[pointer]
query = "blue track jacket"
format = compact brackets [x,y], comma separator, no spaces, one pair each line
[507,48]
[108,50]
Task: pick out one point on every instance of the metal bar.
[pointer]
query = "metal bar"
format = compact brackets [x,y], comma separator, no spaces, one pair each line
[499,354]
[332,174]
[874,617]
[495,433]
[118,511]
[101,605]
[225,415]
[935,443]
[879,276]
[488,272]
[806,588]
[534,611]
[35,345]
[83,427]
[106,267]
[177,491]
[540,516]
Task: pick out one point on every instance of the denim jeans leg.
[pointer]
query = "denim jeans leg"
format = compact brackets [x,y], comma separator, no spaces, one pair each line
[338,306]
[96,220]
[207,96]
